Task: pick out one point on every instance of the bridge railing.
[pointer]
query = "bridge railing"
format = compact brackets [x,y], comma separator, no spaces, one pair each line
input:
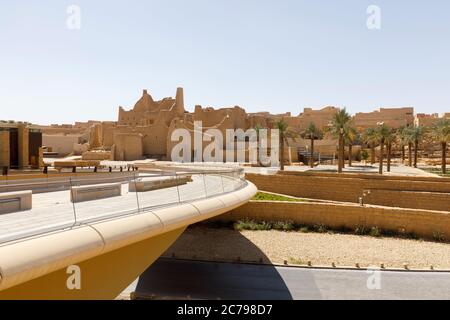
[69,202]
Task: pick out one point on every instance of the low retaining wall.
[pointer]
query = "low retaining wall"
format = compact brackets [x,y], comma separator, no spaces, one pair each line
[95,192]
[424,223]
[409,199]
[15,201]
[350,187]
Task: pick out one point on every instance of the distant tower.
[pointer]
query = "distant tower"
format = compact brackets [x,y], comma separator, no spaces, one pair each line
[179,102]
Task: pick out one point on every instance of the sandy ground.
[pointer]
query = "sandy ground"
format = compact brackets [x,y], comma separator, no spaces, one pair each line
[298,248]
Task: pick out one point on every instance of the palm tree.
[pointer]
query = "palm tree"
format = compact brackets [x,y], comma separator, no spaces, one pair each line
[338,124]
[382,133]
[371,139]
[312,133]
[416,134]
[282,127]
[350,137]
[441,132]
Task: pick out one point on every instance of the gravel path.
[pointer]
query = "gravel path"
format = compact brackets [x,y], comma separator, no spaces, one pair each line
[321,249]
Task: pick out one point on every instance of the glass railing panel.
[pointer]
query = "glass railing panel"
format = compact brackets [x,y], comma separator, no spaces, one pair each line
[51,209]
[194,190]
[155,190]
[66,201]
[103,197]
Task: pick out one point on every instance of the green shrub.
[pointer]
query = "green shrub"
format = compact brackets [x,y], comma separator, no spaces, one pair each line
[320,228]
[263,226]
[375,232]
[252,225]
[283,225]
[243,224]
[438,236]
[361,231]
[364,155]
[304,229]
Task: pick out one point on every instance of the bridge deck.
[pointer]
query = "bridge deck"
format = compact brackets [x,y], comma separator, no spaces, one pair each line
[53,210]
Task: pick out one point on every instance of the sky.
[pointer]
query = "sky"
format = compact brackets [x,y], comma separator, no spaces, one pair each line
[280,56]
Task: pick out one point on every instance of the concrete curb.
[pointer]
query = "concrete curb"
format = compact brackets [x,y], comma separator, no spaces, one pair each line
[313,267]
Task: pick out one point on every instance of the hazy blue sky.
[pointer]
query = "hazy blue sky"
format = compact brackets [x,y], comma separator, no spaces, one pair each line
[262,55]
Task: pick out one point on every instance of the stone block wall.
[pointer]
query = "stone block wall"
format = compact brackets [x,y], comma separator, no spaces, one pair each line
[350,187]
[409,199]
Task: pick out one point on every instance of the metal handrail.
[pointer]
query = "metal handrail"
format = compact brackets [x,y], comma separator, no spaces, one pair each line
[234,175]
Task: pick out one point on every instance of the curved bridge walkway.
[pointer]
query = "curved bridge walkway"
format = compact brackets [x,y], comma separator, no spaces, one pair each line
[54,211]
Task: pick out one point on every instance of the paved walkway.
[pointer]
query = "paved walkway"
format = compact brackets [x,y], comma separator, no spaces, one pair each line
[54,211]
[170,278]
[396,169]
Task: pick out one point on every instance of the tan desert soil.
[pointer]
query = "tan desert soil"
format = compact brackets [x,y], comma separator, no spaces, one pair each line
[321,249]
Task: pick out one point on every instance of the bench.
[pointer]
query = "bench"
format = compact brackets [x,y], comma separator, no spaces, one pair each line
[95,192]
[140,185]
[15,201]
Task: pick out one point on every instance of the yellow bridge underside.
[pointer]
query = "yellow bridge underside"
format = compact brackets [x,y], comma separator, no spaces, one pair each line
[103,277]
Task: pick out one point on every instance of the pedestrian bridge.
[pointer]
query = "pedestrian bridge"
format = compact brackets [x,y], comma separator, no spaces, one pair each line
[90,236]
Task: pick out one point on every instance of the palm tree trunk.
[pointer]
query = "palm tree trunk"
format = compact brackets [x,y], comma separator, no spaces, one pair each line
[403,154]
[281,152]
[350,149]
[389,150]
[380,168]
[257,150]
[444,157]
[410,154]
[343,153]
[416,147]
[311,157]
[340,153]
[372,154]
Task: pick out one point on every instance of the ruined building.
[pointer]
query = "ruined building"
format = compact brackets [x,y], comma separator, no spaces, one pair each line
[145,130]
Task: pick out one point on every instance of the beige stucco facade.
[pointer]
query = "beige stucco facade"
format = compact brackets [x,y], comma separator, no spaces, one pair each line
[428,120]
[20,145]
[392,117]
[4,149]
